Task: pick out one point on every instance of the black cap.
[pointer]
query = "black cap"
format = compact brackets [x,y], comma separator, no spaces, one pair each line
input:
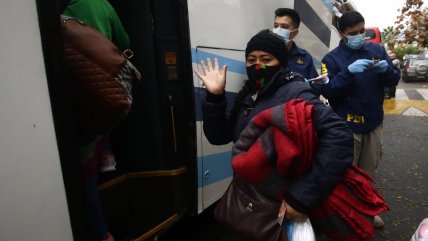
[270,43]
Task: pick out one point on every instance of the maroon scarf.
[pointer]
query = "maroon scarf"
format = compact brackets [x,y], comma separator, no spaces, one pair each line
[283,140]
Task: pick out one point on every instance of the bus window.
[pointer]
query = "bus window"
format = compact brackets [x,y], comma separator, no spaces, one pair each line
[373,35]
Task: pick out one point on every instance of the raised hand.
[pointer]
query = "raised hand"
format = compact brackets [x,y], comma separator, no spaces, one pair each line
[213,79]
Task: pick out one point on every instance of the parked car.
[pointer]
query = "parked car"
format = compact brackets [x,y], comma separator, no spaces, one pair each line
[407,58]
[415,69]
[424,54]
[373,35]
[410,56]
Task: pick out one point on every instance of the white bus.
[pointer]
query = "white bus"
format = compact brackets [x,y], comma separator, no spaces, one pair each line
[166,168]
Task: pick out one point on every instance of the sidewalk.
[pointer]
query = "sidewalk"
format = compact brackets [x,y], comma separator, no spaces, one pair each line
[403,176]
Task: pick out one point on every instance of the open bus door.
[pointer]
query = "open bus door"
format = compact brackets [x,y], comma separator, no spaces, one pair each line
[33,202]
[155,146]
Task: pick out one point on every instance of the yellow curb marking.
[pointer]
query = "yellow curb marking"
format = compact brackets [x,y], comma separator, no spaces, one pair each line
[397,107]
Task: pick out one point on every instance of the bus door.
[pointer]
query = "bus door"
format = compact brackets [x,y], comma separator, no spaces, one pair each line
[33,203]
[154,147]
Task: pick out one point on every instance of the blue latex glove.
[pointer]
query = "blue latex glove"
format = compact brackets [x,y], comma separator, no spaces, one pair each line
[380,67]
[359,65]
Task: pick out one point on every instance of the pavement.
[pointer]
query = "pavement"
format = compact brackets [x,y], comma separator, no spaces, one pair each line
[402,176]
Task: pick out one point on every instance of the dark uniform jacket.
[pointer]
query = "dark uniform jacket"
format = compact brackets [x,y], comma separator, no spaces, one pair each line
[357,98]
[334,153]
[300,61]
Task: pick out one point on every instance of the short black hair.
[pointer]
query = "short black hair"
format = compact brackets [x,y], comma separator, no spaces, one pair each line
[281,12]
[350,19]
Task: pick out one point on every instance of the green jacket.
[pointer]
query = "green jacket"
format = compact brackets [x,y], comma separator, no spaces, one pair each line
[102,16]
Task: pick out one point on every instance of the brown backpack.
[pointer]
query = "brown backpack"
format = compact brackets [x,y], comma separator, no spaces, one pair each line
[102,76]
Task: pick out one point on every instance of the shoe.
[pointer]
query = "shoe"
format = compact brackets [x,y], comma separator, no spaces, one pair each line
[378,222]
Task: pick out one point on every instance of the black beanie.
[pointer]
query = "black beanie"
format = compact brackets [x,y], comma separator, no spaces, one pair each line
[270,43]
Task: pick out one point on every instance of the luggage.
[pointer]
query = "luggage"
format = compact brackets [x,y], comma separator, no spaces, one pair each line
[101,74]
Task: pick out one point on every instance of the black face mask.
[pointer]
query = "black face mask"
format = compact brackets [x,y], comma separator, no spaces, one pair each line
[260,74]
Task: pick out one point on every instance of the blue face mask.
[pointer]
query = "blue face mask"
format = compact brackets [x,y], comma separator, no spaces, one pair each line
[283,33]
[355,42]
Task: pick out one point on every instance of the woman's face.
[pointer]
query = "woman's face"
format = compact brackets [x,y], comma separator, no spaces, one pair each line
[261,57]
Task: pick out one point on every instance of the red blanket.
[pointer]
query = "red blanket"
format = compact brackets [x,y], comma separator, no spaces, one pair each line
[284,133]
[283,140]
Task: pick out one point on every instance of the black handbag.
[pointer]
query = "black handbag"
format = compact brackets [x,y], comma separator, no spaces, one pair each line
[249,213]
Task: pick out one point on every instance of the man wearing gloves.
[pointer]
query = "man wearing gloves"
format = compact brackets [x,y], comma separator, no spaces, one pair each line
[358,73]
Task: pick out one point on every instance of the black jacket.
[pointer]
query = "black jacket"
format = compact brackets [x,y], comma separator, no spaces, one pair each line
[334,153]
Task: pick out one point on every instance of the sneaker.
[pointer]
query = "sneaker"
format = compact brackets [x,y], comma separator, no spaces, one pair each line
[107,163]
[378,222]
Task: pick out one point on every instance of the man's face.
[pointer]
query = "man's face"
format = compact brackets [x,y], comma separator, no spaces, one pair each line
[285,22]
[359,28]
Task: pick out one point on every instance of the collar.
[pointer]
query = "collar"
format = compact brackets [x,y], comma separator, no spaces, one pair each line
[295,50]
[280,78]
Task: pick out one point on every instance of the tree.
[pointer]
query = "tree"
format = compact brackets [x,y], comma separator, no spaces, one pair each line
[412,24]
[388,37]
[404,49]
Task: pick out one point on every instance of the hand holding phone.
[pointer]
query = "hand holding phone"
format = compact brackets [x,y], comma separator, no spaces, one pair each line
[380,66]
[359,66]
[374,62]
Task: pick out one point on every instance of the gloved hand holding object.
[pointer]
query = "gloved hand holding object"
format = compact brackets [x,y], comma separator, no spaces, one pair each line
[359,65]
[380,67]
